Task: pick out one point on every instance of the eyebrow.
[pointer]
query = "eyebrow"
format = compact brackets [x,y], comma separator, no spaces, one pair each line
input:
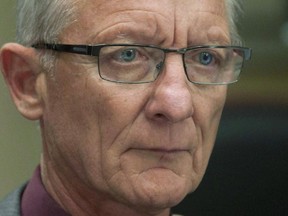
[207,38]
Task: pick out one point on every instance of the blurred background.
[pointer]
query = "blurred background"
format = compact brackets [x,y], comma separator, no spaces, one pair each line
[19,138]
[248,167]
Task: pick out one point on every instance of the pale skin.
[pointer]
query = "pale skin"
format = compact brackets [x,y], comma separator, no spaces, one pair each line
[123,149]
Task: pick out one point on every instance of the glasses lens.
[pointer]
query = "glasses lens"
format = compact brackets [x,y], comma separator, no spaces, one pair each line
[129,64]
[213,65]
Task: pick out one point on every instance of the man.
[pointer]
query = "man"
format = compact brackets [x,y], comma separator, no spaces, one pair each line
[129,96]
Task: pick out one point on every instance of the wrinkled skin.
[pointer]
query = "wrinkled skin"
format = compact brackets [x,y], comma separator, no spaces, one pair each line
[124,149]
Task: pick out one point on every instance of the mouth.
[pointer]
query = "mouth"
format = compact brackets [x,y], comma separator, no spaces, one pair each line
[157,160]
[160,150]
[171,152]
[162,154]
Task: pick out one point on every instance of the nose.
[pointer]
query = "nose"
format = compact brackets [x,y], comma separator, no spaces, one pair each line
[171,99]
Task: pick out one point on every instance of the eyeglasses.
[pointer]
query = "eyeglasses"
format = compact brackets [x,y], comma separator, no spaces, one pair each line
[133,63]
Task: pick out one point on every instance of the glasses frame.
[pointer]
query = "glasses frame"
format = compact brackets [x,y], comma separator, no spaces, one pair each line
[94,50]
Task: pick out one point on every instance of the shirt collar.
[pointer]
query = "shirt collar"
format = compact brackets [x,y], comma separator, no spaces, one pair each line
[36,200]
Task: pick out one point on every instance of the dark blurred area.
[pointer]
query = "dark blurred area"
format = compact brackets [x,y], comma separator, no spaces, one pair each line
[248,169]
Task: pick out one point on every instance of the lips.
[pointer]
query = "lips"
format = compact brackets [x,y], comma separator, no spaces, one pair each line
[163,150]
[159,147]
[140,160]
[160,153]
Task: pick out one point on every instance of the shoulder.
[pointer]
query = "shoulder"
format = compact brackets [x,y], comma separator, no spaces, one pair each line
[10,206]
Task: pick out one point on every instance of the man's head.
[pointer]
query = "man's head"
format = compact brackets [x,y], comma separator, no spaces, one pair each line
[141,147]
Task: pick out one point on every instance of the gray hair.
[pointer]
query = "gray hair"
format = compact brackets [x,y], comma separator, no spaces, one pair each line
[233,11]
[44,20]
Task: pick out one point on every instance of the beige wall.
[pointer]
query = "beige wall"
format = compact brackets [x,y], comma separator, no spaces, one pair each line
[19,138]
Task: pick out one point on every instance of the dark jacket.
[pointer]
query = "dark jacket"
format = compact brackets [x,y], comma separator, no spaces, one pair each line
[10,206]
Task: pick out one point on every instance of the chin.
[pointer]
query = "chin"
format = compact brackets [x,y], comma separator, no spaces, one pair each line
[160,189]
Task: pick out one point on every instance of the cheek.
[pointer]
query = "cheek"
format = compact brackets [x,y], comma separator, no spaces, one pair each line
[208,110]
[71,115]
[209,105]
[91,126]
[119,110]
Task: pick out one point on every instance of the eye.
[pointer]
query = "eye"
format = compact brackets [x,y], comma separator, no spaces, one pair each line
[205,58]
[128,55]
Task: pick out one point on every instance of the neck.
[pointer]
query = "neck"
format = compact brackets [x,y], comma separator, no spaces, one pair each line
[78,199]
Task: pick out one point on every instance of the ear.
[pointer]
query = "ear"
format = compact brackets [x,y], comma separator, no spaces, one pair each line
[21,69]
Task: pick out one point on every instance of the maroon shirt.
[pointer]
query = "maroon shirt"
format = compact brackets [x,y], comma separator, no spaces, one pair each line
[36,201]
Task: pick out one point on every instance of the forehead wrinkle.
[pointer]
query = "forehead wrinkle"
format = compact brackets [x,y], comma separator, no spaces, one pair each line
[93,15]
[131,25]
[157,26]
[216,7]
[192,21]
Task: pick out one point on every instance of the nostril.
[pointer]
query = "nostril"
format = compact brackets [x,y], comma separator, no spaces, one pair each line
[159,116]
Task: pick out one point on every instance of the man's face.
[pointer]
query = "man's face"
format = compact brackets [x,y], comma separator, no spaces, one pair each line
[142,144]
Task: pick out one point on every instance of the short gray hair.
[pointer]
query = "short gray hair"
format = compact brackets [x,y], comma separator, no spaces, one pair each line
[44,20]
[234,10]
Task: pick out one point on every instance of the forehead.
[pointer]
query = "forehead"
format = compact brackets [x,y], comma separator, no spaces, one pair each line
[151,18]
[108,6]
